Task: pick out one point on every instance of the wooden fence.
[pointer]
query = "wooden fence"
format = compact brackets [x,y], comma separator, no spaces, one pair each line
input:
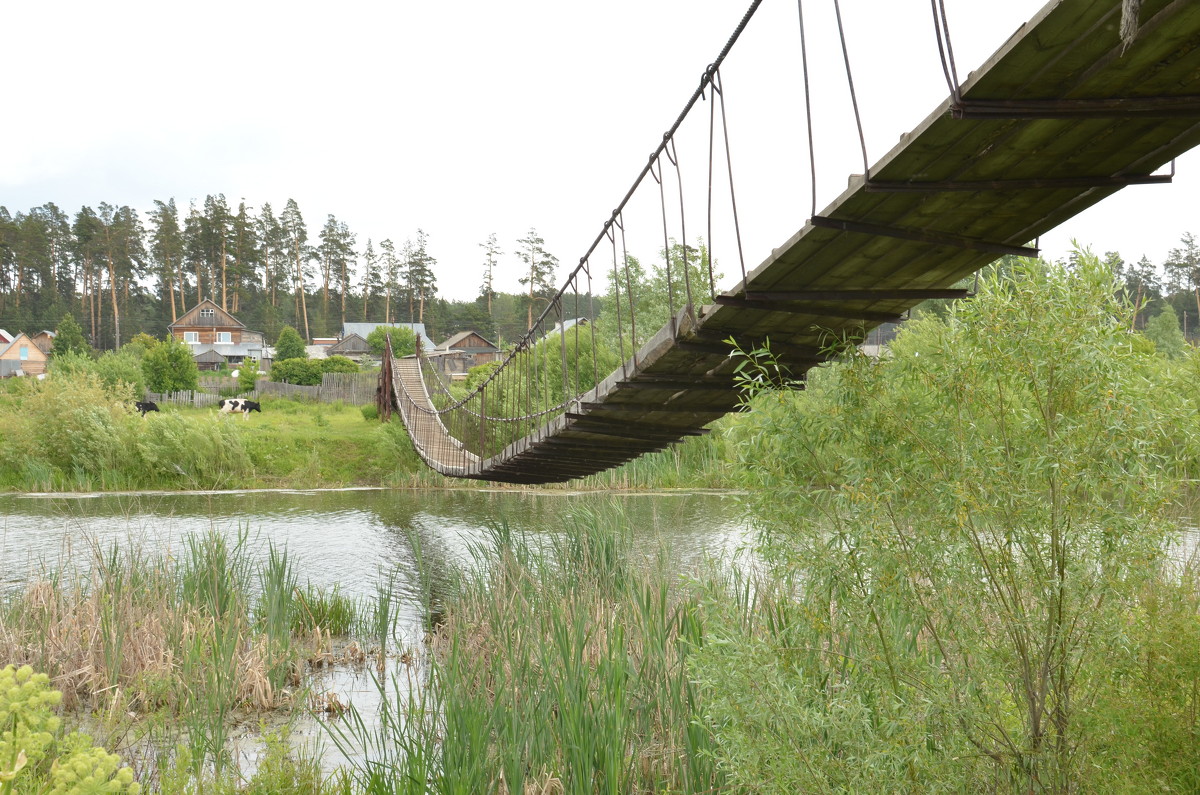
[356,389]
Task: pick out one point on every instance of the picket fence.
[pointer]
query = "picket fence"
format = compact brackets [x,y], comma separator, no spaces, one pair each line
[357,389]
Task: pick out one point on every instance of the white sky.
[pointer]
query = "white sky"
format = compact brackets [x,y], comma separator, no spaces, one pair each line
[473,117]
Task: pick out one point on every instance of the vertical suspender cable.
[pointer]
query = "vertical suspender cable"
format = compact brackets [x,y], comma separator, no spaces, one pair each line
[673,156]
[719,90]
[662,200]
[941,29]
[812,152]
[853,96]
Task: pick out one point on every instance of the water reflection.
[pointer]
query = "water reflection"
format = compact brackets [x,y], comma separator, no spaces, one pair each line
[352,538]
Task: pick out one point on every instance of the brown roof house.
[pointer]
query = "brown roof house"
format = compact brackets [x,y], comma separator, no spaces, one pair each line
[350,345]
[45,340]
[207,327]
[472,343]
[21,357]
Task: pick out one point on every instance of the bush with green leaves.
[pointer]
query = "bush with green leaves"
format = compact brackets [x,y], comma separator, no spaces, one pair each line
[289,345]
[139,344]
[33,759]
[968,537]
[404,341]
[338,364]
[122,370]
[297,371]
[68,338]
[170,367]
[248,375]
[1164,331]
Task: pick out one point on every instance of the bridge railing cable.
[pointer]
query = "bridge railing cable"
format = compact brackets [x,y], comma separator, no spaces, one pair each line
[563,355]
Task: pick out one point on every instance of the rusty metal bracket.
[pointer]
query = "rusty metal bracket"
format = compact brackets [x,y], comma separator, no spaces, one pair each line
[1141,107]
[1055,183]
[921,236]
[774,306]
[855,295]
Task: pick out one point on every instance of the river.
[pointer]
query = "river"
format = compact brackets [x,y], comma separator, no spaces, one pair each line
[353,538]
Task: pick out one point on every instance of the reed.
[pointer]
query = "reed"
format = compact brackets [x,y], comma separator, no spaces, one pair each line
[182,642]
[561,665]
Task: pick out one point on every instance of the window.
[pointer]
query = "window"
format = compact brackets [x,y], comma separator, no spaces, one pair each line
[224,336]
[24,352]
[209,313]
[191,336]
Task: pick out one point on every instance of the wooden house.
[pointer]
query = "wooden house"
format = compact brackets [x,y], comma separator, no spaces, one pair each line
[352,345]
[209,359]
[477,349]
[212,332]
[207,323]
[44,339]
[22,357]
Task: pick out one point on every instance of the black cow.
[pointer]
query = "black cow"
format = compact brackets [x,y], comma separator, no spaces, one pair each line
[144,406]
[238,404]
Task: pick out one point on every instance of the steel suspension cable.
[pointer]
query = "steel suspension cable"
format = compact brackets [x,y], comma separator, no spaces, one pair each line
[941,29]
[812,150]
[837,7]
[719,90]
[523,374]
[662,201]
[673,156]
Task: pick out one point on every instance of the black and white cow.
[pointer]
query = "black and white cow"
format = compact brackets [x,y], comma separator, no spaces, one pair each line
[238,404]
[144,406]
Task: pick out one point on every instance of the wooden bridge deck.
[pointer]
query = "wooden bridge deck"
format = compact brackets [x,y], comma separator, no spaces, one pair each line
[1058,119]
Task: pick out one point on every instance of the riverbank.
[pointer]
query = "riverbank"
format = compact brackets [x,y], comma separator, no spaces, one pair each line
[73,435]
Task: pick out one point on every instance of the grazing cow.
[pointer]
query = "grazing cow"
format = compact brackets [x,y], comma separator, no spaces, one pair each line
[238,404]
[144,406]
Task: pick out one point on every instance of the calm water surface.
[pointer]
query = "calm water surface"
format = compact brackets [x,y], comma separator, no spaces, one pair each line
[351,538]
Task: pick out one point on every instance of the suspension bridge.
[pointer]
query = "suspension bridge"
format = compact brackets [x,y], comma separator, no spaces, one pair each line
[1086,98]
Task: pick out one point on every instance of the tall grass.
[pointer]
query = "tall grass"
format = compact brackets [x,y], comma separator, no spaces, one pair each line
[184,641]
[561,663]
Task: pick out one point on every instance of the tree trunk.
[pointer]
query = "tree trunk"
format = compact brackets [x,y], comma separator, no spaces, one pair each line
[112,290]
[171,287]
[224,304]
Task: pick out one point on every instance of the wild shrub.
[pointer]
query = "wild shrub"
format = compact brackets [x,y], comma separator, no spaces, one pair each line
[74,423]
[178,450]
[170,367]
[968,538]
[297,371]
[338,364]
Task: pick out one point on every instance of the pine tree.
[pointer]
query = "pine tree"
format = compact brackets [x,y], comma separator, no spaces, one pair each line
[289,345]
[371,282]
[246,254]
[491,253]
[68,338]
[542,265]
[391,276]
[216,230]
[295,238]
[419,268]
[271,251]
[166,249]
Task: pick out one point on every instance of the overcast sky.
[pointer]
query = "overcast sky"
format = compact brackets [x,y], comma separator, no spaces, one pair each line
[472,117]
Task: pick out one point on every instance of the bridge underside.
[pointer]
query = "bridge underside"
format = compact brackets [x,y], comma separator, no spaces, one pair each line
[1058,119]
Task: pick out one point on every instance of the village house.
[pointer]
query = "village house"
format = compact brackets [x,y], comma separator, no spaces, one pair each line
[44,339]
[21,357]
[352,346]
[208,329]
[477,349]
